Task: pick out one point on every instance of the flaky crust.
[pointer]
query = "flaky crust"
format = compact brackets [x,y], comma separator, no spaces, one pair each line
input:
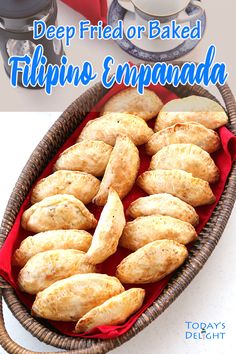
[181,184]
[146,229]
[129,101]
[108,231]
[71,298]
[163,204]
[50,240]
[81,185]
[184,133]
[87,156]
[187,157]
[108,127]
[58,212]
[152,262]
[112,312]
[191,109]
[121,171]
[45,268]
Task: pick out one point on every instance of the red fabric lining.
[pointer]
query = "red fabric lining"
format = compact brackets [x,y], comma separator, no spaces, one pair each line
[223,158]
[94,10]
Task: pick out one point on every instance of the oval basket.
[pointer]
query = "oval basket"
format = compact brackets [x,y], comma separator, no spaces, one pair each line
[199,253]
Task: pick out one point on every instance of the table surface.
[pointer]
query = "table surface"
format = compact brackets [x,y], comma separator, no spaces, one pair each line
[211,295]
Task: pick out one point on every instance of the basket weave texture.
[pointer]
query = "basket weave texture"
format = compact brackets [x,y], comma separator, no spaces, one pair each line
[199,253]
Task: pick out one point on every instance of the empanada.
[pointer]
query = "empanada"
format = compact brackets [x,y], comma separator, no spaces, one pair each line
[108,127]
[45,268]
[191,109]
[181,184]
[81,185]
[146,229]
[58,212]
[152,262]
[163,204]
[88,156]
[71,298]
[145,106]
[184,133]
[121,171]
[112,312]
[108,231]
[50,240]
[187,157]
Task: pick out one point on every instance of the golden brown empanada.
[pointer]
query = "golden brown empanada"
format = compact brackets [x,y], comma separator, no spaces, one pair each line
[45,268]
[152,262]
[51,240]
[184,133]
[181,184]
[146,106]
[108,231]
[187,157]
[58,212]
[121,171]
[112,312]
[146,229]
[71,298]
[81,185]
[88,156]
[108,127]
[191,109]
[163,204]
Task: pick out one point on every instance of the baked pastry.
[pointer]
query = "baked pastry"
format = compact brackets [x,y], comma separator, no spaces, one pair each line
[108,127]
[191,109]
[112,312]
[129,101]
[184,133]
[45,268]
[187,157]
[88,156]
[71,298]
[163,204]
[81,185]
[121,171]
[58,212]
[181,184]
[146,229]
[108,231]
[152,262]
[51,240]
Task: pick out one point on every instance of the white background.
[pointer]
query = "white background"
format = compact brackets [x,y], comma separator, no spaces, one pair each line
[211,296]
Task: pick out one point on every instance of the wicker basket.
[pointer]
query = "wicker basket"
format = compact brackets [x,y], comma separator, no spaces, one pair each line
[199,253]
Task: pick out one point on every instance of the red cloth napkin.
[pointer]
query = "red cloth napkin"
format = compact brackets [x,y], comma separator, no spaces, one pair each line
[223,158]
[94,10]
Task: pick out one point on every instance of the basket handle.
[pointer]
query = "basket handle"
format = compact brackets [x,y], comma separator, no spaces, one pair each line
[229,101]
[9,345]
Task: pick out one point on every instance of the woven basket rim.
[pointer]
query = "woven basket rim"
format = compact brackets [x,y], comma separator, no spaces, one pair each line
[199,254]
